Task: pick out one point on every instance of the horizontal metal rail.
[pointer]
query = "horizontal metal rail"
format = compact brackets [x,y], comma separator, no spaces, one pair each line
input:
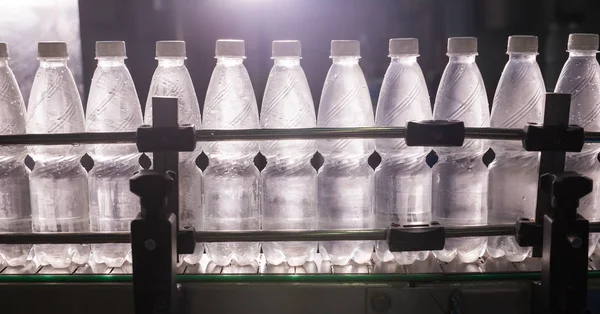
[257,236]
[262,134]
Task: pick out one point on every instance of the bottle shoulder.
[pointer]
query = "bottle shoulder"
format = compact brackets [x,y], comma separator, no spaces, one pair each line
[230,101]
[403,97]
[345,100]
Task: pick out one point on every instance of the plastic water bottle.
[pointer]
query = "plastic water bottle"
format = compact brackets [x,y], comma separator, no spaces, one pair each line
[59,184]
[346,180]
[231,179]
[172,78]
[513,175]
[289,182]
[460,177]
[15,206]
[580,77]
[113,106]
[403,179]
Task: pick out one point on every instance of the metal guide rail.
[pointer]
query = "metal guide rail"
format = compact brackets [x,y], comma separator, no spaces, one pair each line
[558,233]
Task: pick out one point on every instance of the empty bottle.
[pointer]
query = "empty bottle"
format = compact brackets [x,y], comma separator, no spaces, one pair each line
[288,182]
[58,182]
[580,77]
[513,175]
[346,180]
[231,179]
[460,176]
[403,179]
[15,205]
[172,78]
[113,106]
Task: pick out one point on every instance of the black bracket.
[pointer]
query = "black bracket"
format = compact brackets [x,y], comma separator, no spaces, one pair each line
[540,138]
[166,139]
[565,250]
[435,133]
[556,115]
[421,237]
[153,236]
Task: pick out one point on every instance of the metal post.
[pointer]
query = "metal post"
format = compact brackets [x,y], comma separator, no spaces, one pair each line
[556,113]
[164,114]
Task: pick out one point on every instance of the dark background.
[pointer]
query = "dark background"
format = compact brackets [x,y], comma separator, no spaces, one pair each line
[140,23]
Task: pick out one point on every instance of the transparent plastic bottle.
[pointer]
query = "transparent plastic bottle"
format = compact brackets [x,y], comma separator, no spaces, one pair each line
[231,179]
[513,175]
[113,106]
[346,180]
[58,182]
[403,179]
[171,78]
[288,184]
[15,205]
[580,77]
[460,176]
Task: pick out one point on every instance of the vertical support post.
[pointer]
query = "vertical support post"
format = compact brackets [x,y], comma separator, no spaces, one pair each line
[566,234]
[556,113]
[164,114]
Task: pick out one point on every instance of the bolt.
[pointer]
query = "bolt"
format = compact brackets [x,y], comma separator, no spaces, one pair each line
[576,241]
[150,245]
[381,303]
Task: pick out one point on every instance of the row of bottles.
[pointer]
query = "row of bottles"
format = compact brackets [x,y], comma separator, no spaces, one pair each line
[345,194]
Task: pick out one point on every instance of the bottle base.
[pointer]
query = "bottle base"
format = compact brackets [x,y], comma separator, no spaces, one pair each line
[468,250]
[61,255]
[292,253]
[112,255]
[14,255]
[340,253]
[193,259]
[243,253]
[507,246]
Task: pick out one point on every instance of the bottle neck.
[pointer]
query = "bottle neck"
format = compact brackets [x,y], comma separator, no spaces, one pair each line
[404,59]
[53,62]
[582,53]
[229,61]
[286,61]
[462,58]
[171,62]
[530,57]
[111,62]
[346,60]
[3,62]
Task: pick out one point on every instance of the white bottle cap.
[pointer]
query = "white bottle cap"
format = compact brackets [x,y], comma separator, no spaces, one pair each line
[3,50]
[230,48]
[462,45]
[170,49]
[345,48]
[404,46]
[52,49]
[522,44]
[110,49]
[584,42]
[286,48]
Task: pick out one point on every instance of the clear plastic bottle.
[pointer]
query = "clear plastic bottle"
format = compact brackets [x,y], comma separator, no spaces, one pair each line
[513,175]
[580,77]
[172,78]
[346,180]
[113,106]
[460,176]
[231,179]
[58,182]
[288,184]
[403,179]
[15,205]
